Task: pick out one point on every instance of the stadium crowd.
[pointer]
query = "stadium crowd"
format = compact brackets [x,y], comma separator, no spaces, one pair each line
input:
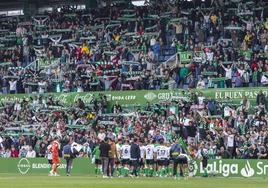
[141,48]
[124,48]
[229,131]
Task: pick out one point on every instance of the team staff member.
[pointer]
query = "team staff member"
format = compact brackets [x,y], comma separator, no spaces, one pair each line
[112,157]
[135,154]
[67,155]
[104,155]
[175,151]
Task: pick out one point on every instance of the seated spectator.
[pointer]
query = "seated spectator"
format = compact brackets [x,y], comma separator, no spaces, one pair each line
[223,153]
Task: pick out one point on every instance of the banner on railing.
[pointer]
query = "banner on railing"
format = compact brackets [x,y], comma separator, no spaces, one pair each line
[141,97]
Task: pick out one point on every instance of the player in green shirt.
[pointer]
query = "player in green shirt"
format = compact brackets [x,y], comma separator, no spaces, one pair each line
[96,156]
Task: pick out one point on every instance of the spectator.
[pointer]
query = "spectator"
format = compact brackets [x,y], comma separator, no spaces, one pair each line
[31,153]
[22,153]
[14,152]
[260,98]
[223,154]
[253,152]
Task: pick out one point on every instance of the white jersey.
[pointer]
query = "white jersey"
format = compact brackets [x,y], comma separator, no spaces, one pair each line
[162,152]
[125,151]
[143,150]
[49,154]
[168,151]
[149,152]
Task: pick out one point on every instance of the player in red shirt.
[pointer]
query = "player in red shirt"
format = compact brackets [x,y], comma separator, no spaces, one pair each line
[54,149]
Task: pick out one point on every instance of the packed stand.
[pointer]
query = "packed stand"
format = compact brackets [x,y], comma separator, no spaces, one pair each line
[227,131]
[121,47]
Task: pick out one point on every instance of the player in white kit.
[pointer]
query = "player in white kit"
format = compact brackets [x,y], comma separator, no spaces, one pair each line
[118,165]
[161,154]
[125,157]
[142,158]
[49,156]
[149,156]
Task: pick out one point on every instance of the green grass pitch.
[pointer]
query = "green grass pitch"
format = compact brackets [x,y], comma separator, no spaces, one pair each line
[11,181]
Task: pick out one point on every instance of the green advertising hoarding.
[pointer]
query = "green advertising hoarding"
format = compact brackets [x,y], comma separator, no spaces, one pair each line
[141,97]
[82,166]
[37,166]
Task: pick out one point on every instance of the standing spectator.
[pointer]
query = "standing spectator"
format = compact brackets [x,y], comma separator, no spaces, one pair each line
[117,108]
[13,86]
[231,143]
[260,98]
[264,80]
[4,86]
[101,135]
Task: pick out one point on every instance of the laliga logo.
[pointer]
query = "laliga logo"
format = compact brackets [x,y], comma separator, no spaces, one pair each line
[247,171]
[24,166]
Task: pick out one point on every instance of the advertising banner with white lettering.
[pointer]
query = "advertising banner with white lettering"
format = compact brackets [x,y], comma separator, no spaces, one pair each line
[81,166]
[141,97]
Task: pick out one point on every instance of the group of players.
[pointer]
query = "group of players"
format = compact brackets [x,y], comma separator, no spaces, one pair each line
[155,159]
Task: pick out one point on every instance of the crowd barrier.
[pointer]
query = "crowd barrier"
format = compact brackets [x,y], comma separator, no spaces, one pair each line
[82,166]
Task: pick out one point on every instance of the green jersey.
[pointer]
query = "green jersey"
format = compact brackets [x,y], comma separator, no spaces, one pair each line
[204,153]
[96,152]
[211,153]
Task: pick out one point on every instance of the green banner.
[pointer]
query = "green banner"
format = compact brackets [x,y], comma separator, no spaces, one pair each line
[27,166]
[83,166]
[141,97]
